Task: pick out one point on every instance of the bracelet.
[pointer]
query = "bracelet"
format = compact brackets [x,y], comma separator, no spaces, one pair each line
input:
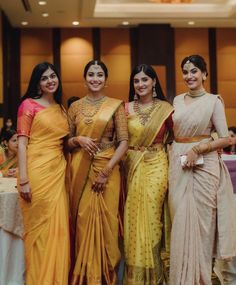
[106,171]
[196,149]
[24,183]
[209,148]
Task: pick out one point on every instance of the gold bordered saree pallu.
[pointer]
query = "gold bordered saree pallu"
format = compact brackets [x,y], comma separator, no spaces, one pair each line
[147,170]
[95,215]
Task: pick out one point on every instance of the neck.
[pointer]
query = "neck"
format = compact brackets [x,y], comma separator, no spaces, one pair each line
[9,153]
[95,95]
[146,99]
[48,98]
[197,93]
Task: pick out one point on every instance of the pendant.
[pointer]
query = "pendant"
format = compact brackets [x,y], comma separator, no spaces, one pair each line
[88,121]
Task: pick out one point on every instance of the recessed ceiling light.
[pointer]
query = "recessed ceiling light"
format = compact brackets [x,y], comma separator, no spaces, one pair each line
[24,23]
[125,23]
[42,3]
[75,23]
[45,15]
[191,23]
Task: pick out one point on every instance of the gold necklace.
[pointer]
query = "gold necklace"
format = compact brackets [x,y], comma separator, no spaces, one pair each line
[90,108]
[144,114]
[197,93]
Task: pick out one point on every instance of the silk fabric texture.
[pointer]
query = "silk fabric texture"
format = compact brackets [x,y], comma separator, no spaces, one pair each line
[46,218]
[95,216]
[200,198]
[147,187]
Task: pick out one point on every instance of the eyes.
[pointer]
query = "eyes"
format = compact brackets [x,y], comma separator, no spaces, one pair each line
[51,76]
[92,74]
[143,79]
[192,71]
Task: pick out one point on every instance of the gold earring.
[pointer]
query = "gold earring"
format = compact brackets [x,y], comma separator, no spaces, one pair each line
[154,93]
[204,77]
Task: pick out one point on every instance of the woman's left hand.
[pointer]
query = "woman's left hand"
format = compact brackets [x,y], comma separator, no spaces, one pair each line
[99,183]
[191,159]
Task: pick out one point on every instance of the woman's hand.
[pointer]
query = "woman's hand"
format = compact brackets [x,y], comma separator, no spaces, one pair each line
[87,144]
[25,193]
[99,183]
[191,159]
[12,172]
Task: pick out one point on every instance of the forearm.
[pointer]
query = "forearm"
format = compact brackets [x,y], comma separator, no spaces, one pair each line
[211,146]
[22,163]
[71,143]
[119,153]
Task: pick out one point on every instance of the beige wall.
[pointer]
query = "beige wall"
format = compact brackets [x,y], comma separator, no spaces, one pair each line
[115,52]
[76,52]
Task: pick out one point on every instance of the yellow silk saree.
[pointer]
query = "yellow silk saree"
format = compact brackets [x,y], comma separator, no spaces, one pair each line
[146,186]
[46,226]
[95,215]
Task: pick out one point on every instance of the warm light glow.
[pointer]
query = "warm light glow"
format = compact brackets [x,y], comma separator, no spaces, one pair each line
[75,23]
[171,1]
[125,23]
[191,23]
[42,3]
[45,15]
[24,23]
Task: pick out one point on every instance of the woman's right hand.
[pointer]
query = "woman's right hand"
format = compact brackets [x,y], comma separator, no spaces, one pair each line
[88,144]
[25,193]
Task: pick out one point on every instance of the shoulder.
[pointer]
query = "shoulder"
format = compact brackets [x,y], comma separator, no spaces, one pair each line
[114,101]
[26,106]
[215,98]
[166,104]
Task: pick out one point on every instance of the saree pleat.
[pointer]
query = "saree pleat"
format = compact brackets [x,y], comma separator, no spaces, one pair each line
[194,202]
[147,187]
[46,217]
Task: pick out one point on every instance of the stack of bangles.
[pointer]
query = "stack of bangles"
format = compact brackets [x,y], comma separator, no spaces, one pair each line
[198,150]
[24,183]
[106,171]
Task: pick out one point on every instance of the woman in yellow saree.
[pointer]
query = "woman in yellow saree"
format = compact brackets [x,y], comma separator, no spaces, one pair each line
[149,121]
[42,125]
[8,154]
[99,140]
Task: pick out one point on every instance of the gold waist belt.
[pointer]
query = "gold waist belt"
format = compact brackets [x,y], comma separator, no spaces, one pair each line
[156,147]
[191,139]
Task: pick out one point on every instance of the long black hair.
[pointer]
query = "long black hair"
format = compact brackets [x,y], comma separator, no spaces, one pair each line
[32,90]
[149,71]
[96,62]
[197,61]
[8,134]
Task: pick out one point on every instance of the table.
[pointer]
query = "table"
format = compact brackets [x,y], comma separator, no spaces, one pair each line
[12,265]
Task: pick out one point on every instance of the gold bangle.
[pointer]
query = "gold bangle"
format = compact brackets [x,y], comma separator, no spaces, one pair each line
[24,183]
[196,149]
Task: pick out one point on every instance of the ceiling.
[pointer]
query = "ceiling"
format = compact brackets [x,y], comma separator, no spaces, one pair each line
[112,13]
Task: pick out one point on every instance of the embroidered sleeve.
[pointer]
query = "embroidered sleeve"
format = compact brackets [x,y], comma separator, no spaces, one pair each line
[25,118]
[219,119]
[73,110]
[121,124]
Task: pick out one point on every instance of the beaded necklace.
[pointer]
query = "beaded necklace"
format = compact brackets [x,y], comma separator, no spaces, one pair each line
[143,113]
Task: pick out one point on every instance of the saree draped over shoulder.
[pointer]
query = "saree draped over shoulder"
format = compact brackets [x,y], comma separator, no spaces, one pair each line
[6,163]
[201,198]
[46,219]
[95,216]
[146,185]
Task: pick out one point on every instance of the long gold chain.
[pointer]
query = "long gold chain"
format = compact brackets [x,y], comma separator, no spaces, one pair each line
[144,114]
[90,108]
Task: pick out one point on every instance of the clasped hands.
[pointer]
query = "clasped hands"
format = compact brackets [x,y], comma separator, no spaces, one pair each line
[191,158]
[88,144]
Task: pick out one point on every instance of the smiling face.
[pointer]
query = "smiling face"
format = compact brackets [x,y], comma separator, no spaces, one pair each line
[143,84]
[193,76]
[49,82]
[95,78]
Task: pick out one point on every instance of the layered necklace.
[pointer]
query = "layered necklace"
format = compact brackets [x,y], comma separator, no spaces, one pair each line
[90,107]
[144,113]
[196,93]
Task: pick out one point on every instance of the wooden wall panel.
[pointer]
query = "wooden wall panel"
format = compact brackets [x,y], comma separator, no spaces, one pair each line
[1,68]
[187,42]
[115,52]
[36,47]
[226,62]
[76,52]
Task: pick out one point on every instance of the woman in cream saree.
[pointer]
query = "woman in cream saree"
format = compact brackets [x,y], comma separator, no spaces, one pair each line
[99,140]
[147,167]
[200,195]
[41,127]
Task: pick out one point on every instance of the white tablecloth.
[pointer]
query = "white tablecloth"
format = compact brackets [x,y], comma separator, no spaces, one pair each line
[11,231]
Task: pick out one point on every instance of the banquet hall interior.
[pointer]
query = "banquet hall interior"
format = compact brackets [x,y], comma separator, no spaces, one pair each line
[122,33]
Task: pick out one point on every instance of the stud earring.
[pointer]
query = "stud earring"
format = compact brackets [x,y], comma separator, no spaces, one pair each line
[154,93]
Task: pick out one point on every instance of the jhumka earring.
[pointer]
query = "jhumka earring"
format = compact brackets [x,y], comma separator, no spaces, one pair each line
[204,77]
[154,93]
[135,97]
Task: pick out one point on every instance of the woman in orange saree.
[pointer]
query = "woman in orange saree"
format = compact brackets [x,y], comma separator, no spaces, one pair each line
[42,125]
[8,154]
[201,198]
[99,140]
[149,122]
